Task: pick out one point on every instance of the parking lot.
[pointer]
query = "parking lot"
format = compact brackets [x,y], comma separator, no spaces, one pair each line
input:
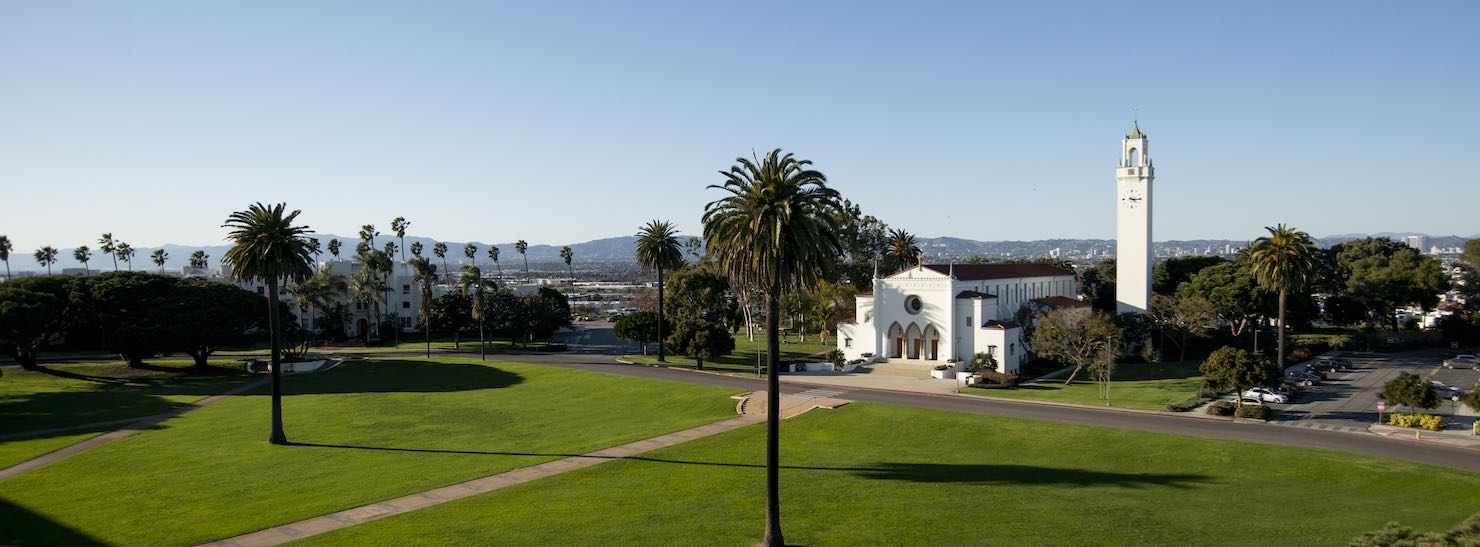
[1348,400]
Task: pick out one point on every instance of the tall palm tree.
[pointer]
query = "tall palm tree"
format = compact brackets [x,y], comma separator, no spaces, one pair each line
[903,248]
[367,235]
[125,252]
[376,265]
[83,255]
[200,260]
[159,257]
[440,249]
[365,286]
[472,278]
[317,291]
[268,247]
[521,247]
[46,256]
[471,251]
[566,254]
[424,273]
[334,247]
[1284,261]
[658,249]
[399,226]
[493,255]
[315,249]
[5,248]
[774,230]
[416,249]
[108,246]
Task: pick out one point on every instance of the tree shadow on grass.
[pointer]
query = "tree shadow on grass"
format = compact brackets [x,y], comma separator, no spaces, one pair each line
[976,474]
[394,376]
[24,527]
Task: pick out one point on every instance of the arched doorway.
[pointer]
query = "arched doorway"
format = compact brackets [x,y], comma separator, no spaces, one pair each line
[914,341]
[895,341]
[932,342]
[363,328]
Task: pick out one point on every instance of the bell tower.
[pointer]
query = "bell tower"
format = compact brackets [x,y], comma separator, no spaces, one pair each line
[1133,176]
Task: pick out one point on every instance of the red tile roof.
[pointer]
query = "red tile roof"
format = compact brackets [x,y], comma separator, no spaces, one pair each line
[1061,302]
[975,294]
[995,324]
[973,272]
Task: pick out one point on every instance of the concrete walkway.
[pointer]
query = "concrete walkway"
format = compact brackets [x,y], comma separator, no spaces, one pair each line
[350,517]
[132,426]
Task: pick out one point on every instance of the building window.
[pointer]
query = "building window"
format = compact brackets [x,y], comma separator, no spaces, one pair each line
[405,289]
[913,304]
[405,305]
[1012,349]
[968,321]
[359,305]
[847,342]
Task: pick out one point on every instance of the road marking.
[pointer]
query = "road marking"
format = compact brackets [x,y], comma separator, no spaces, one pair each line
[820,393]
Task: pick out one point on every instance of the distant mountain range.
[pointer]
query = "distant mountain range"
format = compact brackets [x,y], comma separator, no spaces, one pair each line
[619,250]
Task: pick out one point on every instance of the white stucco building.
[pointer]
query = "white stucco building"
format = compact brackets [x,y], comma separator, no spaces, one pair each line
[1133,175]
[936,312]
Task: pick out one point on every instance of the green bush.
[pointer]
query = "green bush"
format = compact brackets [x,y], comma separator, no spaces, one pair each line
[1422,421]
[999,378]
[1254,412]
[1221,408]
[1186,404]
[1393,535]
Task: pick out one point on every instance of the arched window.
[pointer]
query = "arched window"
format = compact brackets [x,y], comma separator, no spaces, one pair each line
[1134,157]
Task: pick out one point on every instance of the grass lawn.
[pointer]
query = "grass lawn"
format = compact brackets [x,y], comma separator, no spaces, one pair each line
[878,475]
[1145,386]
[367,431]
[69,394]
[743,358]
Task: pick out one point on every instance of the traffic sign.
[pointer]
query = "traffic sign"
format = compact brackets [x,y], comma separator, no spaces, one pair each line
[1381,405]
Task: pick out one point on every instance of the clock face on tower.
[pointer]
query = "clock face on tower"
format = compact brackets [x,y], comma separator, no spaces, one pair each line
[1132,198]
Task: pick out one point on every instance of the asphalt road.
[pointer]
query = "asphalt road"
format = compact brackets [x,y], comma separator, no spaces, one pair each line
[597,347]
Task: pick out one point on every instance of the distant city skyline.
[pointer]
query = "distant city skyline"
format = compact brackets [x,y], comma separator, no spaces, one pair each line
[562,123]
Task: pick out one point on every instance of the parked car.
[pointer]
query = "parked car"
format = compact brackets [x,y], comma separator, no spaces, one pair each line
[1250,401]
[1304,378]
[1447,391]
[1290,388]
[1266,395]
[1329,364]
[1323,368]
[1461,361]
[1318,373]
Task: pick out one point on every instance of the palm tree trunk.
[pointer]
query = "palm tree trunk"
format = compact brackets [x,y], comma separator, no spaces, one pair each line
[482,345]
[426,328]
[1280,353]
[277,436]
[773,419]
[660,314]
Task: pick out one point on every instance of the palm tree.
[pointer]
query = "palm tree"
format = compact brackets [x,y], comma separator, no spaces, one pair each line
[5,248]
[46,256]
[159,257]
[425,273]
[367,235]
[440,249]
[774,231]
[125,252]
[365,286]
[903,248]
[268,247]
[493,255]
[315,249]
[472,277]
[200,260]
[82,254]
[108,246]
[317,291]
[416,249]
[375,265]
[399,226]
[658,249]
[334,247]
[566,254]
[521,247]
[1284,261]
[471,251]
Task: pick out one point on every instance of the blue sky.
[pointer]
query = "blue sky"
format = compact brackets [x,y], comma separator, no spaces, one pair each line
[559,122]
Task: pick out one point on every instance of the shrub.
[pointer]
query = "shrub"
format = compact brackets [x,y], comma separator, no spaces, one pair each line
[867,355]
[1000,378]
[1421,421]
[836,358]
[942,367]
[1221,408]
[1393,535]
[1253,412]
[1186,404]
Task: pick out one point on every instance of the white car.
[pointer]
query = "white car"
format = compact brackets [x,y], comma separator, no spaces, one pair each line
[1461,361]
[1267,395]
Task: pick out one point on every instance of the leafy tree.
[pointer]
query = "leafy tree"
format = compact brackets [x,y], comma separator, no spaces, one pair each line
[903,250]
[1173,272]
[108,246]
[539,315]
[1472,399]
[125,252]
[864,240]
[701,340]
[1471,253]
[471,284]
[521,247]
[425,274]
[82,254]
[697,293]
[774,231]
[159,257]
[5,248]
[1084,341]
[1239,370]
[1461,327]
[1410,390]
[268,247]
[1467,534]
[1184,315]
[199,260]
[203,316]
[33,311]
[317,292]
[1283,263]
[46,256]
[658,249]
[135,311]
[1098,284]
[452,312]
[375,267]
[1384,282]
[832,302]
[641,327]
[1229,287]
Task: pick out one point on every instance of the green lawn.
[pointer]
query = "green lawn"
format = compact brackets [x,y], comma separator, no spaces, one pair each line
[1146,386]
[743,358]
[368,431]
[69,394]
[879,475]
